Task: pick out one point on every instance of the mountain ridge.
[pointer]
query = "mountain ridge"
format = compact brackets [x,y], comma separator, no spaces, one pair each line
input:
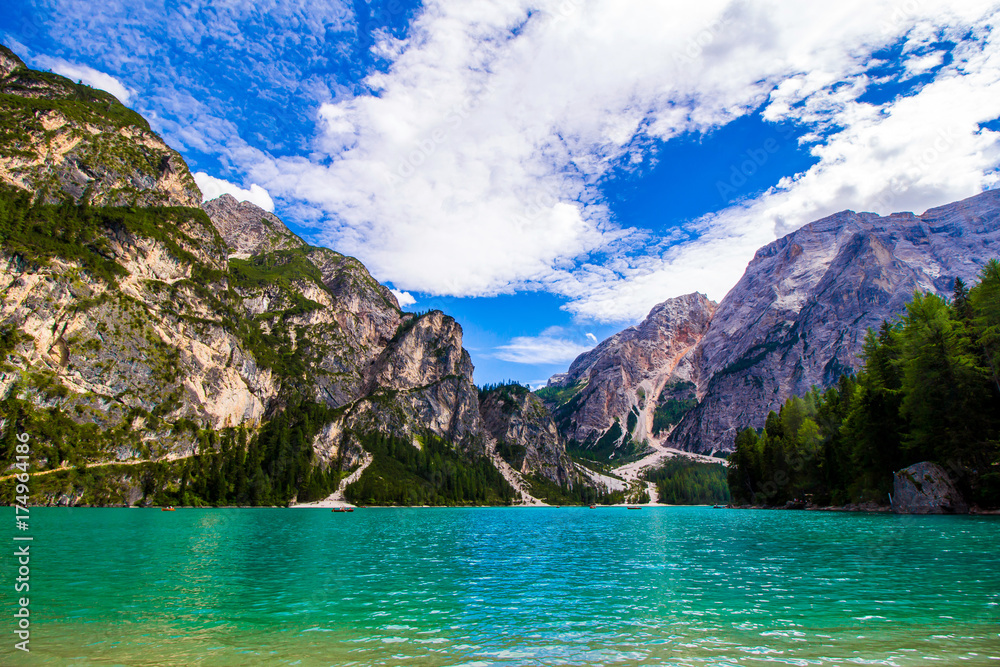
[799,313]
[141,327]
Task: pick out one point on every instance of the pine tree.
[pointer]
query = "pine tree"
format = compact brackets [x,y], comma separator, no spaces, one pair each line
[985,302]
[960,305]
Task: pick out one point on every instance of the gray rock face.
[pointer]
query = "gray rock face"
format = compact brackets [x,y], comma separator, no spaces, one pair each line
[629,370]
[799,315]
[145,347]
[926,488]
[797,318]
[248,229]
[423,379]
[527,434]
[205,321]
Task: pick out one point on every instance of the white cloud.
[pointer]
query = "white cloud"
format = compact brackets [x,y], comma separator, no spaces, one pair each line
[212,187]
[472,170]
[592,338]
[472,167]
[404,298]
[88,75]
[542,349]
[909,155]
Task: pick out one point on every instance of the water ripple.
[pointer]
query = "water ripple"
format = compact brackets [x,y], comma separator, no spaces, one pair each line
[669,586]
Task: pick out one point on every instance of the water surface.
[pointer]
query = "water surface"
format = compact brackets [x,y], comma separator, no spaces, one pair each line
[508,586]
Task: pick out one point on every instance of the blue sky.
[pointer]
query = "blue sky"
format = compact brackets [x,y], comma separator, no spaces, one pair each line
[546,171]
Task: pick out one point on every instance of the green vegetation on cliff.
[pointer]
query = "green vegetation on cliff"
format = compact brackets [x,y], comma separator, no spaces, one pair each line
[929,391]
[231,465]
[26,91]
[557,397]
[37,233]
[78,141]
[676,400]
[510,393]
[616,444]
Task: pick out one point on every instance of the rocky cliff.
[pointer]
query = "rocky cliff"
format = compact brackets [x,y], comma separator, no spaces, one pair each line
[526,434]
[628,376]
[60,139]
[797,318]
[799,314]
[137,326]
[248,229]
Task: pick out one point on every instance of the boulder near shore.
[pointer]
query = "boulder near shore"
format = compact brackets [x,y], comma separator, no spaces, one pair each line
[926,488]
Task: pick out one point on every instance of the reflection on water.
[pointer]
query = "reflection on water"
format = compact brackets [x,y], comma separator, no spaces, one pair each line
[665,586]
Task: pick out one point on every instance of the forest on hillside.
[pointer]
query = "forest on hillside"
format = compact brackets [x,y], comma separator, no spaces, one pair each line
[681,481]
[929,390]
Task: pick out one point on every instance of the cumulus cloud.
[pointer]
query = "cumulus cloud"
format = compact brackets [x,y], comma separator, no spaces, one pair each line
[910,154]
[471,167]
[88,75]
[212,188]
[543,349]
[404,298]
[471,163]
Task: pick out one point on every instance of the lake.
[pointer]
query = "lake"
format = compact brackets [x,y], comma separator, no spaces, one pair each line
[506,586]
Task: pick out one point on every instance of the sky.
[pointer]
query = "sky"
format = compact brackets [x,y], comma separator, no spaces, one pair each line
[546,171]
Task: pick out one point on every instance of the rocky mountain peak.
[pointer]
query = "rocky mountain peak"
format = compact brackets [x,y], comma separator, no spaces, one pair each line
[8,61]
[799,314]
[73,141]
[427,350]
[248,229]
[797,318]
[623,377]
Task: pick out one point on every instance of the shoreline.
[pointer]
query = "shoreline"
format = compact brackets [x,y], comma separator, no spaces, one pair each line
[866,508]
[329,505]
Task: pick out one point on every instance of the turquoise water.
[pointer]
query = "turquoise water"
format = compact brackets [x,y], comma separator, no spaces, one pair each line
[573,586]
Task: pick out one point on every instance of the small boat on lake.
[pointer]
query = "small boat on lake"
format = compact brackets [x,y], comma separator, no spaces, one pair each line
[593,507]
[168,509]
[635,508]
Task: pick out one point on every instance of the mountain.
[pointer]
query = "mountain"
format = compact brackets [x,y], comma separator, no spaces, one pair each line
[526,434]
[796,318]
[608,399]
[156,349]
[799,314]
[62,139]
